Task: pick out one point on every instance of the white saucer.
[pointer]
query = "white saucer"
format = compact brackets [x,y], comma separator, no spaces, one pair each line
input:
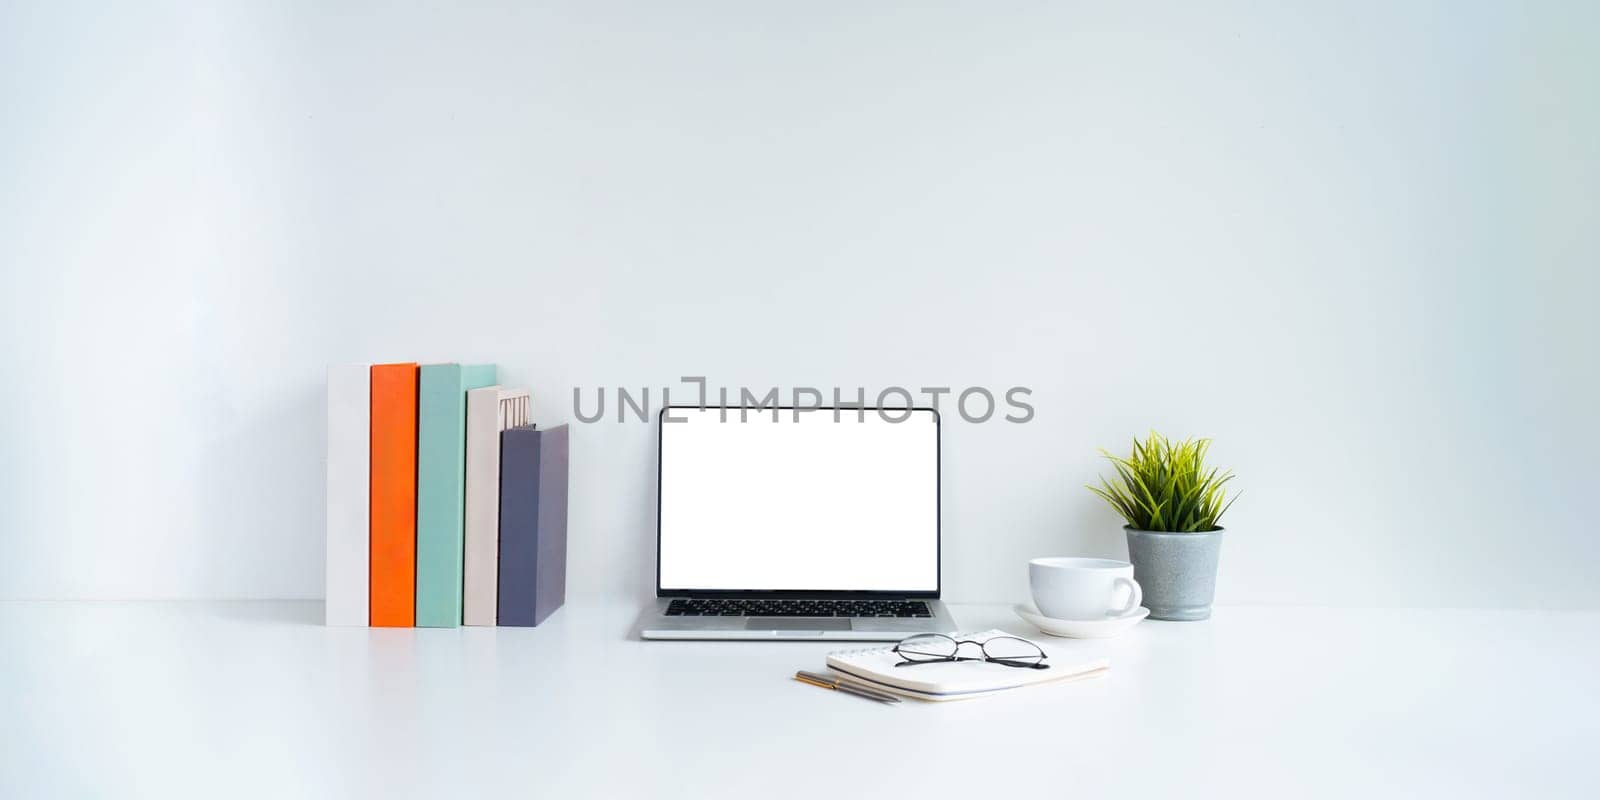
[1080,628]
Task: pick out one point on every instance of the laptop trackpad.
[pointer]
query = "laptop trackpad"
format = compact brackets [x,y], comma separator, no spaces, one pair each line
[797,624]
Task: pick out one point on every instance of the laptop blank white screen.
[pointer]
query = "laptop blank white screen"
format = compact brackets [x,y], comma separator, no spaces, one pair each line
[805,504]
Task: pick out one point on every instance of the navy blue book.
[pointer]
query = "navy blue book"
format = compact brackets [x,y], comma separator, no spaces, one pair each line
[533,524]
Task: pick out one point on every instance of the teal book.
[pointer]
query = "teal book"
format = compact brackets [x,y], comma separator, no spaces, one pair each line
[441,486]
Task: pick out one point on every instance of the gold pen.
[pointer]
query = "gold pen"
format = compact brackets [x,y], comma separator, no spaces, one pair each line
[826,682]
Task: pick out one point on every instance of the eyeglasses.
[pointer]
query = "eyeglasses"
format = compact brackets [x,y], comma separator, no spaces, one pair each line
[935,648]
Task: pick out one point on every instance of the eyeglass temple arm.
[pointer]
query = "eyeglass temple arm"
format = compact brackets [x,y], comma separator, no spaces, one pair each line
[1029,664]
[941,660]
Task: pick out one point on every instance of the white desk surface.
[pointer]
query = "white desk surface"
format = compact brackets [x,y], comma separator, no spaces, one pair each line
[257,699]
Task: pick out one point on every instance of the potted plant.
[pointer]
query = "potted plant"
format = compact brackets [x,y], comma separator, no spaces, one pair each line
[1172,504]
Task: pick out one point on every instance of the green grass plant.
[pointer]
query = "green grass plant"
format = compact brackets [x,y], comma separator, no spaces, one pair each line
[1165,486]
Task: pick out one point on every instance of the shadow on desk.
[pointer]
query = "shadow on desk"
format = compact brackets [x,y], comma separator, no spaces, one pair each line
[280,612]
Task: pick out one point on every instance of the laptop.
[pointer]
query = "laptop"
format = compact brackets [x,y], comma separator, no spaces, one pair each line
[797,523]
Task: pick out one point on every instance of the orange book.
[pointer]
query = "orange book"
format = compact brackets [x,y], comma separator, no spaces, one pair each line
[394,495]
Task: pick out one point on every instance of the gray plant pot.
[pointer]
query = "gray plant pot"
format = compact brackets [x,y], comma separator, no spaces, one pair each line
[1177,571]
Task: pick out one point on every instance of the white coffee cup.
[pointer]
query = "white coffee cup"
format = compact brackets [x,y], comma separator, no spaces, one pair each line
[1083,588]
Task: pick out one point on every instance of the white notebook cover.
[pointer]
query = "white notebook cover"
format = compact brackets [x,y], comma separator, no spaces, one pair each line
[958,680]
[349,454]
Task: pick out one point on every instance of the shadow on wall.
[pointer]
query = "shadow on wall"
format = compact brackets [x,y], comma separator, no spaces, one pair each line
[1052,523]
[645,543]
[260,491]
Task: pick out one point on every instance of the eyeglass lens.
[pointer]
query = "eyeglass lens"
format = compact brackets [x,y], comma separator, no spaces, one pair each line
[931,646]
[1006,648]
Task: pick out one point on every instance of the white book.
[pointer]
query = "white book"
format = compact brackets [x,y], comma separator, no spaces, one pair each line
[349,455]
[874,667]
[489,411]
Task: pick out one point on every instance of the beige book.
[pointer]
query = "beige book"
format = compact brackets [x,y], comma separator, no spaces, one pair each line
[489,411]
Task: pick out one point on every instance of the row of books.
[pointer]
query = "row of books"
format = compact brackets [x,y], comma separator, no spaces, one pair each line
[446,506]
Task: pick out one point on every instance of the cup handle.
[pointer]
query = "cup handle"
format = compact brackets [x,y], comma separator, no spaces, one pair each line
[1135,597]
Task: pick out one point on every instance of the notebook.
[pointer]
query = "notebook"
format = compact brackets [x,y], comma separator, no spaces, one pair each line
[874,667]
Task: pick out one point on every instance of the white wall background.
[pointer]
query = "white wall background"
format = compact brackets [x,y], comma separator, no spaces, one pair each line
[1355,242]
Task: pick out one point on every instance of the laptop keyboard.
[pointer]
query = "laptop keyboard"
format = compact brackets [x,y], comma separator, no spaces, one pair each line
[734,607]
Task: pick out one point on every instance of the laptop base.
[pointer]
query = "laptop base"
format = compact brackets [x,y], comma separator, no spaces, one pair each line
[654,623]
